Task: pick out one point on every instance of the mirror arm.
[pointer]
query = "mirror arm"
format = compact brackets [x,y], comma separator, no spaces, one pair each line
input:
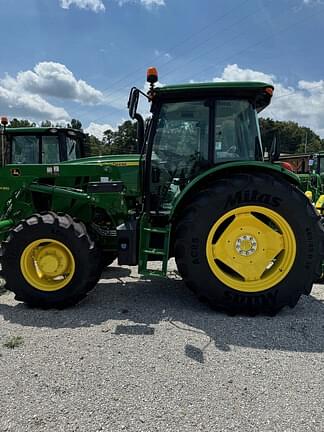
[133,101]
[140,132]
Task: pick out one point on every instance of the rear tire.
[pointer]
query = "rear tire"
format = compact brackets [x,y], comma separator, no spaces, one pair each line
[49,261]
[249,244]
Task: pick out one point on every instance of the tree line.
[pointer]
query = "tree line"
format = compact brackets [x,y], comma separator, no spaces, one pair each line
[292,137]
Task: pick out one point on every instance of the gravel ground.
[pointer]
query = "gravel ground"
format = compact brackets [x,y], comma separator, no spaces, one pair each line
[138,355]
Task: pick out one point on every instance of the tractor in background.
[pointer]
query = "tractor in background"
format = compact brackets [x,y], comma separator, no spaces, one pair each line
[244,236]
[40,145]
[312,183]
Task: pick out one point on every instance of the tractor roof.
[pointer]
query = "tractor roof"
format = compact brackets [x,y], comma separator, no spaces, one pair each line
[236,89]
[39,130]
[253,85]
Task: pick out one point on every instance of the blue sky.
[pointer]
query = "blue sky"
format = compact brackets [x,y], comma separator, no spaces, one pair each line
[79,58]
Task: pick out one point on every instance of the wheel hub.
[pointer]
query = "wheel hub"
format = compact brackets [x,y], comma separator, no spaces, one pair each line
[48,264]
[246,245]
[52,260]
[251,248]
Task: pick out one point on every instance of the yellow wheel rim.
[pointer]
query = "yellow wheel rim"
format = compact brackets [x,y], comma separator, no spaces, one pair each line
[47,264]
[251,249]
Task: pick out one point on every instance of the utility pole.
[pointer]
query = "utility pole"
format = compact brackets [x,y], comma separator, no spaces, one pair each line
[306,136]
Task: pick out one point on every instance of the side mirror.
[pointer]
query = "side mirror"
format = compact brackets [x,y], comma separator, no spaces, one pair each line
[133,102]
[274,152]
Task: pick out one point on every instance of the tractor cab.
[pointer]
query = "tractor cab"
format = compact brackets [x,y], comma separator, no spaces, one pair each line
[316,163]
[195,127]
[34,145]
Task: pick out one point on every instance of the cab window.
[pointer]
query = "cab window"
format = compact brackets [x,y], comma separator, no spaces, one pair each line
[180,149]
[236,131]
[181,138]
[50,149]
[71,148]
[25,149]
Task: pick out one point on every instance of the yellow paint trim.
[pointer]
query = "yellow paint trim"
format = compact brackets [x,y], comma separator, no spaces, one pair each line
[120,164]
[250,255]
[47,264]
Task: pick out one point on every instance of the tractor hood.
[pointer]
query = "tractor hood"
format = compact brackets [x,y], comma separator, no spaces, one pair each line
[115,160]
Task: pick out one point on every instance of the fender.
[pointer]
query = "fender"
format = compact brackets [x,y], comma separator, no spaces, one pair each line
[320,204]
[228,168]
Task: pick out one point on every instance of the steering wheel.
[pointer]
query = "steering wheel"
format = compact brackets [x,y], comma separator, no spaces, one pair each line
[231,149]
[170,161]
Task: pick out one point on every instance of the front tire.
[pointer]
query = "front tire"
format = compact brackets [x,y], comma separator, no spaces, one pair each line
[49,261]
[249,244]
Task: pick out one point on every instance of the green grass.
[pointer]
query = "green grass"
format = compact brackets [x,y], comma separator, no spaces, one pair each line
[13,342]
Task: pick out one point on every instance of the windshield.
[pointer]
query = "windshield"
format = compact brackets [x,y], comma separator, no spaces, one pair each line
[25,149]
[50,149]
[181,137]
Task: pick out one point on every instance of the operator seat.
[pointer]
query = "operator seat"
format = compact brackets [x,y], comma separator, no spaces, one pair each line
[226,147]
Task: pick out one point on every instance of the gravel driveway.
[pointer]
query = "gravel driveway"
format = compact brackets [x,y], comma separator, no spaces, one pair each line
[147,356]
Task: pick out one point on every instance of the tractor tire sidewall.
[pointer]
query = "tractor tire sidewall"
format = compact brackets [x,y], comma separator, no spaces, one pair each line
[236,192]
[80,247]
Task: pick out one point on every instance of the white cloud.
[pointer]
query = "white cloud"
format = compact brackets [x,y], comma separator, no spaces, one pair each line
[312,2]
[54,79]
[149,4]
[311,86]
[234,73]
[302,104]
[94,5]
[165,55]
[97,129]
[98,5]
[25,95]
[15,103]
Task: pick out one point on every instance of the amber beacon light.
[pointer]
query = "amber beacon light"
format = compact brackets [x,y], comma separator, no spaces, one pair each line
[152,75]
[269,90]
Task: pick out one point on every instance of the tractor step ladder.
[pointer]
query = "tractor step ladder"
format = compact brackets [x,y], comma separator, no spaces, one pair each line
[146,250]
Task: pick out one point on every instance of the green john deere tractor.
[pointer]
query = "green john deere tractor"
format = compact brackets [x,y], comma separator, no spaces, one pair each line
[312,183]
[244,236]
